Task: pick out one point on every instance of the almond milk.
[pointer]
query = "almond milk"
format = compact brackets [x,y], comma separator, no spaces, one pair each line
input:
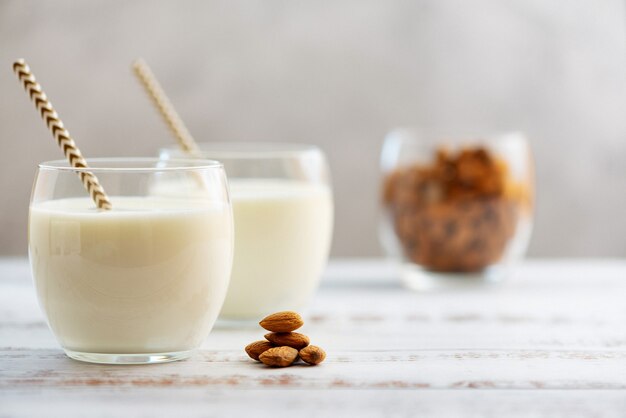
[282,237]
[148,276]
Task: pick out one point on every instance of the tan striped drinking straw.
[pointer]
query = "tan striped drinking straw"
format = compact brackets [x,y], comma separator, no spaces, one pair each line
[165,107]
[62,136]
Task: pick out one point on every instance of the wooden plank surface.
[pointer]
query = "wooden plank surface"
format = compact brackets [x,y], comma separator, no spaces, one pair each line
[551,342]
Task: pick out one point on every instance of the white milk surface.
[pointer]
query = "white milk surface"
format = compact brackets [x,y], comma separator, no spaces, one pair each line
[148,276]
[283,232]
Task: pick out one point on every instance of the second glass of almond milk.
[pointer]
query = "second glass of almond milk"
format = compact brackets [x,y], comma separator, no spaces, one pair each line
[283,214]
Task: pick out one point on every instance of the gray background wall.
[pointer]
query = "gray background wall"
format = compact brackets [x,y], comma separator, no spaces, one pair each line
[339,74]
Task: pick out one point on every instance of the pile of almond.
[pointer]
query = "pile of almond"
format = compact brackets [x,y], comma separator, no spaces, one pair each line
[282,347]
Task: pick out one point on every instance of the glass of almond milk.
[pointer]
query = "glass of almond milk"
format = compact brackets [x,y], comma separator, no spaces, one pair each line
[140,283]
[283,213]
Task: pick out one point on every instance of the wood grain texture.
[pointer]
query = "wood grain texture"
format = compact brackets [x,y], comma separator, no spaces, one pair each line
[551,342]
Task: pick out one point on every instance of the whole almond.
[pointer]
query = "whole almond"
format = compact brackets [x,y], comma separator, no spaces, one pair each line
[257,348]
[279,356]
[312,355]
[285,321]
[290,339]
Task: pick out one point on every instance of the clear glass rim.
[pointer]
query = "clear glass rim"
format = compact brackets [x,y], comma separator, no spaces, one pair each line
[248,149]
[420,136]
[134,165]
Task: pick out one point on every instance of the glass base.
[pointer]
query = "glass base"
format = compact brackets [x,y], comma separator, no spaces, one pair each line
[420,279]
[147,358]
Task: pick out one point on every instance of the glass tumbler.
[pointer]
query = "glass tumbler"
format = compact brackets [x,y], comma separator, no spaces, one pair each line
[456,211]
[144,281]
[283,212]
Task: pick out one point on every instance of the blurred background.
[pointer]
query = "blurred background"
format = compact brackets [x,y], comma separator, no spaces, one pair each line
[338,74]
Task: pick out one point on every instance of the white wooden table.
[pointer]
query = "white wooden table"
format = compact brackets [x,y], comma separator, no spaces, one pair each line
[551,342]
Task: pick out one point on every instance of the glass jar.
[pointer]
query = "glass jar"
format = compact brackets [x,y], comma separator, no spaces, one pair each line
[144,281]
[456,211]
[283,212]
